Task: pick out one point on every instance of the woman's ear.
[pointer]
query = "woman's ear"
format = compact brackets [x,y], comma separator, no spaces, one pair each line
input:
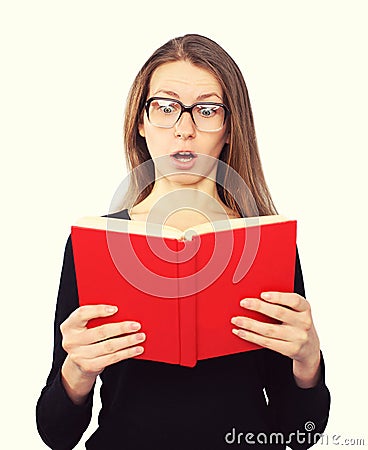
[141,129]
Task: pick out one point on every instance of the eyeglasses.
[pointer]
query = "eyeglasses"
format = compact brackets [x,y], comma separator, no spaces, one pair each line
[166,112]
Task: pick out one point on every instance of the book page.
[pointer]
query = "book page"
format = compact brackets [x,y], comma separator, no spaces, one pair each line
[129,226]
[231,224]
[153,229]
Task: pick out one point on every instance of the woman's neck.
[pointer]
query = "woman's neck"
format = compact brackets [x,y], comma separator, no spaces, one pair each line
[182,205]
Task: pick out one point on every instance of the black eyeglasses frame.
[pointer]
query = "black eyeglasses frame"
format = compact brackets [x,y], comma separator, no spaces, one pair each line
[188,109]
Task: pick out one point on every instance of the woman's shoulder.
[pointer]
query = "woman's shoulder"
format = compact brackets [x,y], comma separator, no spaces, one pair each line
[122,214]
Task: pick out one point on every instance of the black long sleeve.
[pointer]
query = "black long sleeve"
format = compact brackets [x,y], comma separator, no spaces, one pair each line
[60,422]
[293,409]
[146,404]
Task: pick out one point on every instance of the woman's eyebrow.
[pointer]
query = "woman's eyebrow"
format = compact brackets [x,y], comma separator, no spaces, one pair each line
[175,95]
[210,94]
[170,93]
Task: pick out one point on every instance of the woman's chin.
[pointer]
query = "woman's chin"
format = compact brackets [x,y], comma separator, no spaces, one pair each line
[186,172]
[182,178]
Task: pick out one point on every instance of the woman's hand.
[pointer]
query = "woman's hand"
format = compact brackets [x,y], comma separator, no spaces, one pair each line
[90,350]
[295,336]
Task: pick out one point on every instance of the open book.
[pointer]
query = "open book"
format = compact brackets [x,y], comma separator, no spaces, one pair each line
[183,286]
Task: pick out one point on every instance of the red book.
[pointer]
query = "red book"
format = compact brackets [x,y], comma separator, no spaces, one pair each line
[183,287]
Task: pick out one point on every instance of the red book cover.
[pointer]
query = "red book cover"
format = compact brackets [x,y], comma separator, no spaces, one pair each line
[268,266]
[183,288]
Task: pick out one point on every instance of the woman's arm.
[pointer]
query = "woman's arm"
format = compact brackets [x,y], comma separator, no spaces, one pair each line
[80,355]
[61,422]
[292,363]
[300,414]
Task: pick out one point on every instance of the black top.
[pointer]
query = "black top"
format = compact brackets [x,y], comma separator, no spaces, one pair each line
[218,404]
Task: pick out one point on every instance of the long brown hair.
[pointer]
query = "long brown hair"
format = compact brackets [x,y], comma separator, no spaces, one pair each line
[241,153]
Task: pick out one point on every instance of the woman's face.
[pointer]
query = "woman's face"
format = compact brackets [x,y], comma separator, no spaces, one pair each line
[190,84]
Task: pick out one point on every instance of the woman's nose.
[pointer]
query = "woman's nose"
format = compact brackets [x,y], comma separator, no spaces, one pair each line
[185,127]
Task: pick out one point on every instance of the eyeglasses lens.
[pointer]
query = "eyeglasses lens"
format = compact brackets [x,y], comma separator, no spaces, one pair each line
[207,117]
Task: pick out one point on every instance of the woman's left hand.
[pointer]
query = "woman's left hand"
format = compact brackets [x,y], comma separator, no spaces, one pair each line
[295,336]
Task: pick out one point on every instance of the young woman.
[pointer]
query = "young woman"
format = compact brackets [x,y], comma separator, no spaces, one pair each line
[189,101]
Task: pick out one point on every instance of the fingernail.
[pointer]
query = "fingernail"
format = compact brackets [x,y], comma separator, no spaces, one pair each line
[139,349]
[111,309]
[245,302]
[266,296]
[234,320]
[135,326]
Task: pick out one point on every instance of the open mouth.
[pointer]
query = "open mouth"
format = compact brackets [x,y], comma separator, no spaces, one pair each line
[184,156]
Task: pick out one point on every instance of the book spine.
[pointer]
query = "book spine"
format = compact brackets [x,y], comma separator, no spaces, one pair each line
[187,303]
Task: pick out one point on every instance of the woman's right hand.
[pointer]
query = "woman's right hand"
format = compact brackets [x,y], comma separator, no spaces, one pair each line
[90,350]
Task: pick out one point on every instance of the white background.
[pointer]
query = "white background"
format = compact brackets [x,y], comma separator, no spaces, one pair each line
[66,70]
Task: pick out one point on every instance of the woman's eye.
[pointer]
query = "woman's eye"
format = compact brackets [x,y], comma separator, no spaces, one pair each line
[207,111]
[167,109]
